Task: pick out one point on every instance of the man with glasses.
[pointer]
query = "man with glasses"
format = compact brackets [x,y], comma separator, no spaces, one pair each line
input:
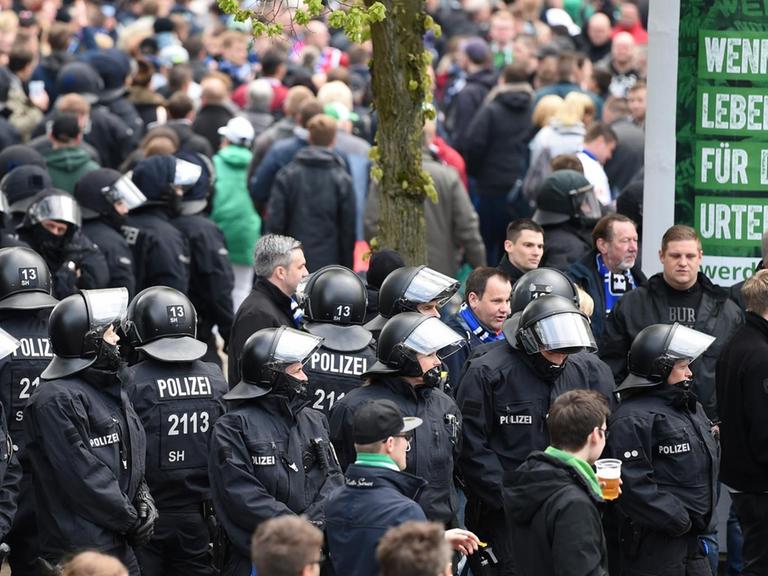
[287,545]
[552,499]
[378,495]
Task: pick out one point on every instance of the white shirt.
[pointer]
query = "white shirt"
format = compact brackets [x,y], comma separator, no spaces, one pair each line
[593,171]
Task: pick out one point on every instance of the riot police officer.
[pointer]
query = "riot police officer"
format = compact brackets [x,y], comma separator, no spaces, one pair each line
[51,227]
[178,399]
[270,454]
[334,300]
[412,289]
[19,187]
[211,290]
[161,252]
[669,454]
[10,470]
[105,196]
[504,397]
[85,442]
[25,304]
[409,352]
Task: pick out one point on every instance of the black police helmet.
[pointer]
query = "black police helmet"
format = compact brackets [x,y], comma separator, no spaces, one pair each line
[25,282]
[334,294]
[113,66]
[561,197]
[407,334]
[531,285]
[89,192]
[22,184]
[266,354]
[554,323]
[405,288]
[162,322]
[79,78]
[154,177]
[655,350]
[76,327]
[19,155]
[53,204]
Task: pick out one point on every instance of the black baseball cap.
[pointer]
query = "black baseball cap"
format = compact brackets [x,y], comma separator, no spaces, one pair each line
[377,420]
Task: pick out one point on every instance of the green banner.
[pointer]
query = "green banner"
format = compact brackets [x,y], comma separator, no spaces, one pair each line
[721,170]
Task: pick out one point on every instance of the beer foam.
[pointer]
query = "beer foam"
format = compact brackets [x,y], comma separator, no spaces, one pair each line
[609,473]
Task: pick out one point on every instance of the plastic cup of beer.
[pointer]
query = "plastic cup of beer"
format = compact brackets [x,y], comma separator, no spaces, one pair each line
[609,474]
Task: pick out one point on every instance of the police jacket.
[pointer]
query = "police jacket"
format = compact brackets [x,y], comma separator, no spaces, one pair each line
[556,527]
[178,404]
[10,476]
[742,401]
[505,403]
[265,307]
[669,457]
[117,253]
[565,244]
[211,272]
[336,367]
[160,251]
[86,447]
[585,274]
[435,445]
[717,316]
[270,457]
[20,371]
[79,254]
[358,514]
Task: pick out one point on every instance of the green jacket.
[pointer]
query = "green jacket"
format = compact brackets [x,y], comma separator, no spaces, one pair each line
[233,209]
[67,165]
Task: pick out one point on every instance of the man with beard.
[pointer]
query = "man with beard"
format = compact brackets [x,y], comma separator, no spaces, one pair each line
[609,271]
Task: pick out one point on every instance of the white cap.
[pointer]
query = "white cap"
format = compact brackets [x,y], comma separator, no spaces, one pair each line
[559,17]
[238,131]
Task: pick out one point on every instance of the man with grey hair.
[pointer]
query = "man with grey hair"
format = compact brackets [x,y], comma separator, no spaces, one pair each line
[260,95]
[279,266]
[735,290]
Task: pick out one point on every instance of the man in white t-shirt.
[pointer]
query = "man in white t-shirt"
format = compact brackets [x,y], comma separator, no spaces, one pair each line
[599,144]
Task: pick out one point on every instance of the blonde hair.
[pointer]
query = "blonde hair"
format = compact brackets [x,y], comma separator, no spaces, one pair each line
[571,112]
[584,100]
[755,292]
[94,564]
[545,109]
[335,91]
[586,303]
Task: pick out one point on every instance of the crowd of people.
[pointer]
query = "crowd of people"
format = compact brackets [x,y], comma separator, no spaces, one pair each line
[205,368]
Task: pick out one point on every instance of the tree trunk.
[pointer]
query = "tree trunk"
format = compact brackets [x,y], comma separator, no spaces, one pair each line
[399,83]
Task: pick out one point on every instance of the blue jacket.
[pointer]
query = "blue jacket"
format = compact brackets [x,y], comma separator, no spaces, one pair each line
[358,514]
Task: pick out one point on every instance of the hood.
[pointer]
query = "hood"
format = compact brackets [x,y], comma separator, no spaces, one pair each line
[236,156]
[516,96]
[317,156]
[67,159]
[540,476]
[485,77]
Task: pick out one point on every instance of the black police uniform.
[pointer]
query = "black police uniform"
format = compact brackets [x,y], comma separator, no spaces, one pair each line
[337,366]
[178,403]
[212,279]
[435,445]
[10,476]
[86,446]
[161,252]
[117,253]
[670,459]
[269,456]
[19,377]
[505,402]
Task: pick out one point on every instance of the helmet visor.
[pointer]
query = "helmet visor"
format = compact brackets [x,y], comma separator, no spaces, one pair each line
[4,207]
[187,173]
[294,346]
[567,333]
[688,344]
[56,207]
[105,307]
[429,285]
[586,203]
[8,343]
[433,336]
[124,190]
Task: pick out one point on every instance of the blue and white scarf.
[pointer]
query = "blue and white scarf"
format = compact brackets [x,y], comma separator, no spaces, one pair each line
[474,325]
[614,285]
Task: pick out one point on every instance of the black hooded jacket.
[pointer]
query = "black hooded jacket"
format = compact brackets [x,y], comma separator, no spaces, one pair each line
[495,146]
[555,520]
